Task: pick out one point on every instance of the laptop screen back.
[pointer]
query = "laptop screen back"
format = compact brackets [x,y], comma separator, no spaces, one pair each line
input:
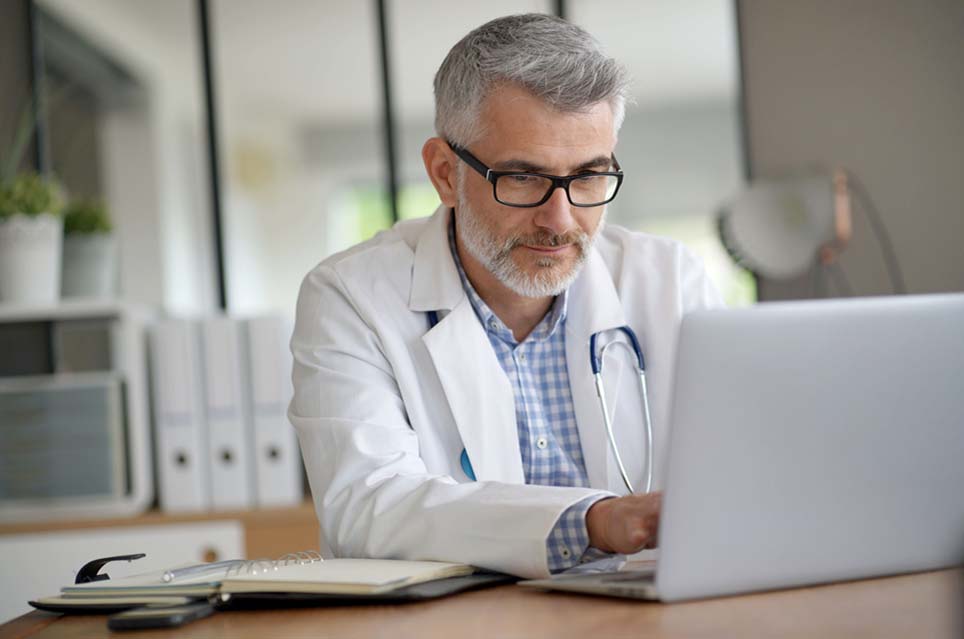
[814,442]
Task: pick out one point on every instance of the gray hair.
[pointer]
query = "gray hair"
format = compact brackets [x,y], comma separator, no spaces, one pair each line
[556,61]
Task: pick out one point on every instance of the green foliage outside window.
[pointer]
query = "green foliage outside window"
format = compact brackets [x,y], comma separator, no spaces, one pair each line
[372,212]
[417,200]
[698,233]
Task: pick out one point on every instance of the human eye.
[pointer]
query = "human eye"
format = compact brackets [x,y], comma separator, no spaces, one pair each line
[523,178]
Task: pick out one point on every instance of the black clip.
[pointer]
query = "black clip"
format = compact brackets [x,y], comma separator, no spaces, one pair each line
[89,571]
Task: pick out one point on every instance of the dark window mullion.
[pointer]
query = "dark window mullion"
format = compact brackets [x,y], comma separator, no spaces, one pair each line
[38,100]
[559,8]
[388,113]
[204,27]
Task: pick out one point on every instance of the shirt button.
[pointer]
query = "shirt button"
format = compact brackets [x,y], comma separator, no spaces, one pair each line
[522,357]
[492,324]
[542,442]
[565,553]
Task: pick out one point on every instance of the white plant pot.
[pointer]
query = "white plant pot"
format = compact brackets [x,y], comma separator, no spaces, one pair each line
[30,258]
[89,260]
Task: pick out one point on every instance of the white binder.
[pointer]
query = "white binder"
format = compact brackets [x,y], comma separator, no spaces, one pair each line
[229,436]
[276,453]
[182,458]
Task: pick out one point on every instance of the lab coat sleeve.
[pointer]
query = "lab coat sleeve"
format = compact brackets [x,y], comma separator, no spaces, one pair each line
[372,490]
[696,286]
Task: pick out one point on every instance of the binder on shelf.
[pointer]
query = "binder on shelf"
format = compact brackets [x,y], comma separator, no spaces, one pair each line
[229,436]
[277,458]
[176,377]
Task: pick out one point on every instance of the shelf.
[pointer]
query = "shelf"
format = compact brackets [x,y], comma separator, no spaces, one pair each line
[269,532]
[70,310]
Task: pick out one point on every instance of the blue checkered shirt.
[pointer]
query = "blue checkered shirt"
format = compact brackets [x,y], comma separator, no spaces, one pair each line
[545,416]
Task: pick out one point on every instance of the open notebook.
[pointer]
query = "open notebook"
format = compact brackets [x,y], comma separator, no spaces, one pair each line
[359,577]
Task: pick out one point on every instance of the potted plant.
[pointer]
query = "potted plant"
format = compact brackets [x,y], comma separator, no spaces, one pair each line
[89,250]
[31,233]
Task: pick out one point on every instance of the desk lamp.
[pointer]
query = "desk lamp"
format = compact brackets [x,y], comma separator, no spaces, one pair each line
[779,228]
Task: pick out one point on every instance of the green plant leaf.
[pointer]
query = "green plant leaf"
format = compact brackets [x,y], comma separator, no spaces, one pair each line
[86,217]
[31,194]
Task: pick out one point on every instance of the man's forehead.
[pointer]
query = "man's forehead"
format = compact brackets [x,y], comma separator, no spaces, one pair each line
[533,161]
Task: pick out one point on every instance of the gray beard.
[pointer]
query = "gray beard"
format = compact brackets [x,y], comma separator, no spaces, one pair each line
[496,257]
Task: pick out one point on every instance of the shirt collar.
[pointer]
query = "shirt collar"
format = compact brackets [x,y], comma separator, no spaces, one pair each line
[546,327]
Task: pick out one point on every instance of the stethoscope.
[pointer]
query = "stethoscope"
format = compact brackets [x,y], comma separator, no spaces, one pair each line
[597,370]
[596,361]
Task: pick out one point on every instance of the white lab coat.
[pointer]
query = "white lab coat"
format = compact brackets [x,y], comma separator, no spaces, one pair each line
[384,406]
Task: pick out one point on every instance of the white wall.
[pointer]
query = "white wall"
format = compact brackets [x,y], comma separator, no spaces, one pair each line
[875,86]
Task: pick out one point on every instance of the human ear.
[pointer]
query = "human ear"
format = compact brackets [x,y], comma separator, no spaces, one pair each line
[439,163]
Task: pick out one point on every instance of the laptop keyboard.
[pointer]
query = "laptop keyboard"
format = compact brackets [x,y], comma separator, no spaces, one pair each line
[628,576]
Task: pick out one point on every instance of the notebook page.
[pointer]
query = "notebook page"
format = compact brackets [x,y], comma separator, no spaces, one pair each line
[368,572]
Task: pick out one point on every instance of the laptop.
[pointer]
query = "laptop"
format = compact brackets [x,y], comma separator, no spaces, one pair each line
[811,442]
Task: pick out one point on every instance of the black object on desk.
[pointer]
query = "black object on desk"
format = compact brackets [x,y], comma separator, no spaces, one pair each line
[159,616]
[89,571]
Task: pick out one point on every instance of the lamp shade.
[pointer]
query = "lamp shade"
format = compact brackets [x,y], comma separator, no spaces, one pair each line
[776,228]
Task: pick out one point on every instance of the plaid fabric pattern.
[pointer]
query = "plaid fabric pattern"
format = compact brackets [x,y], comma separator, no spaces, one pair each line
[545,415]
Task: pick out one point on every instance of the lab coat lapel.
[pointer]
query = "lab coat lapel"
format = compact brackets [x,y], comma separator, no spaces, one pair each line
[478,392]
[594,306]
[435,279]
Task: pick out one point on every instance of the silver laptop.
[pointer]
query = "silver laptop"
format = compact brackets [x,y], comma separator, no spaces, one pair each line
[811,442]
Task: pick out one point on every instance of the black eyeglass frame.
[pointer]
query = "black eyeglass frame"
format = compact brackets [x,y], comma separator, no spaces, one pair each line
[558,181]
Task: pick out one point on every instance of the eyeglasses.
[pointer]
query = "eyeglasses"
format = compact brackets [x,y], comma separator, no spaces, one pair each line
[526,190]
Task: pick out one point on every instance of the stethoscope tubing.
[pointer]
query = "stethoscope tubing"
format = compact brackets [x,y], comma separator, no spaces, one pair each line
[597,365]
[597,369]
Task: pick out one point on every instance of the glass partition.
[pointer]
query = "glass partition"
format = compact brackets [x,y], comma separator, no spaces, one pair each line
[680,145]
[302,158]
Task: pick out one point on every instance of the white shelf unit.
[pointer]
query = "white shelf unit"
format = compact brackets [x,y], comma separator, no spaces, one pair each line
[38,344]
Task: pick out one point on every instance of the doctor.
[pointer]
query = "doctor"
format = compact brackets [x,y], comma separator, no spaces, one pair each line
[444,398]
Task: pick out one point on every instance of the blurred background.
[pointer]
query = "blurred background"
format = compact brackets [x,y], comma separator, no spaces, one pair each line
[318,111]
[237,143]
[300,97]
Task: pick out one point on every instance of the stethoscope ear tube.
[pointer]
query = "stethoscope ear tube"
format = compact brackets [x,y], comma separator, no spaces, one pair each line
[649,431]
[601,393]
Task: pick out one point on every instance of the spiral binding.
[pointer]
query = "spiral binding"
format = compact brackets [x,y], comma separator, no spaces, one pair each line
[261,566]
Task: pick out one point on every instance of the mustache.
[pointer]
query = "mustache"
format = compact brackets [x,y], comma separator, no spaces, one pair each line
[548,240]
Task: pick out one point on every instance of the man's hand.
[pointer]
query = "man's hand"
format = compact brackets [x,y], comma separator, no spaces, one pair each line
[624,524]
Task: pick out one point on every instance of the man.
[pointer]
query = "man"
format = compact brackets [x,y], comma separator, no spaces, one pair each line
[443,394]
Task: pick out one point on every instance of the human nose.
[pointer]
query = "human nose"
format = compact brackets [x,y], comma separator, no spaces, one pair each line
[555,214]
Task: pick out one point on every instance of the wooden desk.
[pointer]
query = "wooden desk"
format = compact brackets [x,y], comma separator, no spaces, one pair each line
[921,605]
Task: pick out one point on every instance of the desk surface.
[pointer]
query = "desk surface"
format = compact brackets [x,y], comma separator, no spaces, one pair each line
[921,605]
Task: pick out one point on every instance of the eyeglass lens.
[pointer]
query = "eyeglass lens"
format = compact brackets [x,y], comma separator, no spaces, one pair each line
[530,189]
